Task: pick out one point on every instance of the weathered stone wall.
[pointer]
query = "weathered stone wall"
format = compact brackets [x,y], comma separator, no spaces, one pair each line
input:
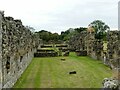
[95,49]
[90,43]
[18,47]
[85,41]
[78,42]
[113,59]
[113,51]
[113,47]
[0,50]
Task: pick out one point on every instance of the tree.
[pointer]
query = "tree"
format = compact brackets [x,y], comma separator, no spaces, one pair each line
[100,28]
[47,36]
[80,29]
[68,34]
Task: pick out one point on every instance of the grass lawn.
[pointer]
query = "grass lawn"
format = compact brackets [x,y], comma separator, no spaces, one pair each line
[53,73]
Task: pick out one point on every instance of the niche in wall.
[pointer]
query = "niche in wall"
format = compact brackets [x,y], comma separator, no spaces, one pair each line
[21,57]
[8,64]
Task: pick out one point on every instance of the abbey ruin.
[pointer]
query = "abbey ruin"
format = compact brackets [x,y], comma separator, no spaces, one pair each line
[86,42]
[17,46]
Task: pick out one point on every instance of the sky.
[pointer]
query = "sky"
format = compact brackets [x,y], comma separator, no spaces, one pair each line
[60,15]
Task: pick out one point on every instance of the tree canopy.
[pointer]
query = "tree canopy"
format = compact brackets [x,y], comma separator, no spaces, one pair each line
[64,36]
[71,32]
[47,36]
[100,28]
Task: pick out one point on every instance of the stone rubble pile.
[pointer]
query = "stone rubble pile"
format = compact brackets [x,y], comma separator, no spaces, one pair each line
[110,83]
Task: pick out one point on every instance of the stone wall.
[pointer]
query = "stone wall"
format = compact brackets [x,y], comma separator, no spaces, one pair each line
[0,50]
[85,41]
[113,59]
[78,42]
[95,49]
[18,47]
[113,47]
[94,46]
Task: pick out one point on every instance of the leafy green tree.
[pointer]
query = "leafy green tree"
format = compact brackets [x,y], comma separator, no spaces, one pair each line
[72,33]
[55,37]
[47,36]
[100,28]
[80,29]
[66,35]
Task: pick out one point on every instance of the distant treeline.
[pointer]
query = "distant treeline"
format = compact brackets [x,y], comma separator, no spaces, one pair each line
[97,26]
[65,35]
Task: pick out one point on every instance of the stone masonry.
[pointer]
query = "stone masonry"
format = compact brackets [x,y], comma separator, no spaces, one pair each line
[95,49]
[0,50]
[17,47]
[113,60]
[85,41]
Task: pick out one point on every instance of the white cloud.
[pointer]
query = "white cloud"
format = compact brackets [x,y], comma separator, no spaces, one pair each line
[59,15]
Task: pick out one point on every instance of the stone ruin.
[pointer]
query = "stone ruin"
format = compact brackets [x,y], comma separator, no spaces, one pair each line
[113,58]
[113,50]
[86,41]
[45,53]
[94,46]
[18,44]
[85,44]
[77,44]
[52,50]
[17,47]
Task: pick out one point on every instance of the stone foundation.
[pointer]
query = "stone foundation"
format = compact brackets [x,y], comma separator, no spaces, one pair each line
[46,54]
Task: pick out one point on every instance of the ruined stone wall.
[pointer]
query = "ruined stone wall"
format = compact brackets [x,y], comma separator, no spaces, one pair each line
[110,56]
[113,47]
[89,43]
[85,41]
[18,47]
[78,42]
[94,46]
[73,46]
[113,50]
[113,59]
[0,50]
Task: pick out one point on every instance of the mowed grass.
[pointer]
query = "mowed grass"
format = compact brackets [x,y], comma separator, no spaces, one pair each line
[53,73]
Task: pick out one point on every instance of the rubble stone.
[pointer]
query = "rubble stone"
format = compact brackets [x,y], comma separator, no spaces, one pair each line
[17,47]
[95,49]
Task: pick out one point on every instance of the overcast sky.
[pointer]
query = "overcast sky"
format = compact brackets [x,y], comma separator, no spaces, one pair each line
[60,15]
